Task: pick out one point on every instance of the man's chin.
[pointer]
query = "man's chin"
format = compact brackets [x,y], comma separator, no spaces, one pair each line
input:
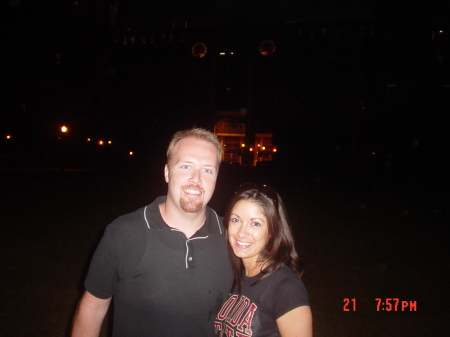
[190,206]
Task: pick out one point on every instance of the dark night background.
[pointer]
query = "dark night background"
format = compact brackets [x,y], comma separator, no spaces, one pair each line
[356,95]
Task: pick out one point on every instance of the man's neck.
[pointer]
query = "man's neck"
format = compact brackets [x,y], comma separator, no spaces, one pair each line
[188,223]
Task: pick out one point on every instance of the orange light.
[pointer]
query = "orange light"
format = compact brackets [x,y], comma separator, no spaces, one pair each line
[243,145]
[109,142]
[274,150]
[267,48]
[64,128]
[88,139]
[131,153]
[100,142]
[199,50]
[251,149]
[8,137]
[263,148]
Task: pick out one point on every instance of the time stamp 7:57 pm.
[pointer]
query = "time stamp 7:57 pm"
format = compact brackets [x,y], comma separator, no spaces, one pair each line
[383,304]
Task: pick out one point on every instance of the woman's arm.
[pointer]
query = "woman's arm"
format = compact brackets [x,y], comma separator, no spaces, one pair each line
[296,323]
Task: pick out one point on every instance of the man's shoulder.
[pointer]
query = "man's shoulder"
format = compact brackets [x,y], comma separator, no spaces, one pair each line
[139,219]
[128,223]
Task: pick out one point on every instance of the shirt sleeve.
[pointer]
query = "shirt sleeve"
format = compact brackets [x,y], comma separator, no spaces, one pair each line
[117,254]
[290,293]
[104,267]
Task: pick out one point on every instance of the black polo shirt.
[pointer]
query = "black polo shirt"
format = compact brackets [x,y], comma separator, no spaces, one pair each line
[163,283]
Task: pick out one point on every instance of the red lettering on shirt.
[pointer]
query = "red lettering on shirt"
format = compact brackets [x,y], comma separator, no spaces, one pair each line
[236,314]
[229,332]
[238,334]
[228,305]
[217,326]
[247,320]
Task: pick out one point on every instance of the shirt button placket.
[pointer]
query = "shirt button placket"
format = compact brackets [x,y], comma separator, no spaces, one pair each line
[190,255]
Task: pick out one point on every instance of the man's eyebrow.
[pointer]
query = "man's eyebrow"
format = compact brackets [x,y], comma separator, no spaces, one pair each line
[184,161]
[191,162]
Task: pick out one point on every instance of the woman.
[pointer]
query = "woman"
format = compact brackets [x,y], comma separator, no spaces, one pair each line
[268,297]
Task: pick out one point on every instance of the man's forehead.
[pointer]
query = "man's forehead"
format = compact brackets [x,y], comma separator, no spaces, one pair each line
[191,150]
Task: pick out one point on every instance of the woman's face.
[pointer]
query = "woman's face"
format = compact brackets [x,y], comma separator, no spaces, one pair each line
[248,231]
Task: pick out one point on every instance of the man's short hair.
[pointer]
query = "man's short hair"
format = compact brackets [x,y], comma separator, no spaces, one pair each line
[198,133]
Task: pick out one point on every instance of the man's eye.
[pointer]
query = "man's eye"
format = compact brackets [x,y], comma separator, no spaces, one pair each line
[185,166]
[209,171]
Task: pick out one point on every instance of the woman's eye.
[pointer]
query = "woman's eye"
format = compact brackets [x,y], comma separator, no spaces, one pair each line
[256,224]
[234,220]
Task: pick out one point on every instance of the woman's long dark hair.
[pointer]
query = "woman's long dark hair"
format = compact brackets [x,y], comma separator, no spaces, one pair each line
[280,249]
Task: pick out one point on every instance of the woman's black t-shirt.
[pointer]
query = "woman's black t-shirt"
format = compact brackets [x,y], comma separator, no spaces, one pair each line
[254,312]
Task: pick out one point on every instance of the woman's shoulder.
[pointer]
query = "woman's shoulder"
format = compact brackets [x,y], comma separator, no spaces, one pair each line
[285,280]
[287,291]
[285,273]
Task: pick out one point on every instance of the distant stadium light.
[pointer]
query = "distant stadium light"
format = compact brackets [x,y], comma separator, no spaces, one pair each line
[267,48]
[199,50]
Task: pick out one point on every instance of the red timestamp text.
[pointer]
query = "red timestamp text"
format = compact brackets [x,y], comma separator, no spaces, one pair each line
[383,304]
[395,304]
[349,304]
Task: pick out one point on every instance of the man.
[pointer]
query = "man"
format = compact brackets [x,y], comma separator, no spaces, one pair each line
[166,265]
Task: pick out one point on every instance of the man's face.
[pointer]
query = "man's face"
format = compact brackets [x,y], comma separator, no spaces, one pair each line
[191,174]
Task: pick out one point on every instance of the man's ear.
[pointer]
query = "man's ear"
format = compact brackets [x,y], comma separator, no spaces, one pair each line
[166,173]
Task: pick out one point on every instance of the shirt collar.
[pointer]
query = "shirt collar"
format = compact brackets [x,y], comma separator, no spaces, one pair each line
[154,220]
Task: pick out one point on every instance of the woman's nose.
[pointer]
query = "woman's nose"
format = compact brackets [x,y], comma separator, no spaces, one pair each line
[242,232]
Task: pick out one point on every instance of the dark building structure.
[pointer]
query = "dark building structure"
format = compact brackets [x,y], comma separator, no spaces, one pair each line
[135,73]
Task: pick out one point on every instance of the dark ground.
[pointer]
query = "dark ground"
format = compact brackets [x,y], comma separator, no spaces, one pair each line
[355,242]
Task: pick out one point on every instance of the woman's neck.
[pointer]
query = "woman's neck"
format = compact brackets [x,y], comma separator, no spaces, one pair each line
[254,269]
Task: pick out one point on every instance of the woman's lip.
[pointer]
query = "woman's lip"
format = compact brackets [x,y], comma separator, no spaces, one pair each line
[242,244]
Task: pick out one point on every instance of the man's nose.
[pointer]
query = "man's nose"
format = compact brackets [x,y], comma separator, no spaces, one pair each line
[195,177]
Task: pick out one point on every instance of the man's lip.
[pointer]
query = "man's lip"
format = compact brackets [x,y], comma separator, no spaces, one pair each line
[192,191]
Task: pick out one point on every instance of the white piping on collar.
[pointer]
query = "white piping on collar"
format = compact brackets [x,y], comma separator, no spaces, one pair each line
[145,217]
[218,223]
[217,218]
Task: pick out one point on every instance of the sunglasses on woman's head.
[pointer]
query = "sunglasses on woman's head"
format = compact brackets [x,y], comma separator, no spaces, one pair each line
[265,190]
